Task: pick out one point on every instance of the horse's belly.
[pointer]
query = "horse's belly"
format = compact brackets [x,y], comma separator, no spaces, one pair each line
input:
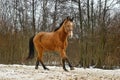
[48,45]
[52,45]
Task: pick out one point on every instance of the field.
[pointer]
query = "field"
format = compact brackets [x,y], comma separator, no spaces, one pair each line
[23,72]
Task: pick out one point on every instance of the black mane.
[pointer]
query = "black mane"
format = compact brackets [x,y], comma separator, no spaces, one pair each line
[59,26]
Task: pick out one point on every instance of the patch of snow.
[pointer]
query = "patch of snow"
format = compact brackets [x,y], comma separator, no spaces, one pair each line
[26,72]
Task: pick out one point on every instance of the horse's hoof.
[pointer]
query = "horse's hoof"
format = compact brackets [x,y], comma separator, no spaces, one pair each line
[72,68]
[36,67]
[46,69]
[66,70]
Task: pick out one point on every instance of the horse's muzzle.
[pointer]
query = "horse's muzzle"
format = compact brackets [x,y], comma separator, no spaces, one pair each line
[71,33]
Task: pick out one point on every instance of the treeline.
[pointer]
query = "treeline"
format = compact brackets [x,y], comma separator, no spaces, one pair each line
[96,39]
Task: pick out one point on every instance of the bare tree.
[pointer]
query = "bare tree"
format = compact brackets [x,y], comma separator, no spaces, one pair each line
[55,15]
[45,14]
[33,16]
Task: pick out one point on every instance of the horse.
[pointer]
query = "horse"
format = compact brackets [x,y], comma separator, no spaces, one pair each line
[52,41]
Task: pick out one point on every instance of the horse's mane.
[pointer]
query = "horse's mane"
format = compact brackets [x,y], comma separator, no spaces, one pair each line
[60,25]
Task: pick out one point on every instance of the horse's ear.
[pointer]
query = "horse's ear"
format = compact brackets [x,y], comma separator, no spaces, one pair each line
[68,18]
[72,19]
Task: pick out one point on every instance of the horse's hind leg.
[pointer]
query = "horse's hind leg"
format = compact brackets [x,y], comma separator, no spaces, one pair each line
[37,64]
[39,58]
[45,68]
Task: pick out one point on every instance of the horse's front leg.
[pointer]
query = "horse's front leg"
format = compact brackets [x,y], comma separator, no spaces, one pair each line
[71,67]
[65,59]
[63,63]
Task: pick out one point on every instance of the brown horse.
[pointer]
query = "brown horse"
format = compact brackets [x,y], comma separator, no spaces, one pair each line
[52,41]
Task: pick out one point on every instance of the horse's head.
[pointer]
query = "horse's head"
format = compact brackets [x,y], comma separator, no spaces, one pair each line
[68,26]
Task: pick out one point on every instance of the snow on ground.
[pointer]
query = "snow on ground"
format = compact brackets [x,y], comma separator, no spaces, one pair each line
[23,72]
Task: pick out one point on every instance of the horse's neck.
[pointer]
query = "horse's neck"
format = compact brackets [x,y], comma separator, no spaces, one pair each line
[62,34]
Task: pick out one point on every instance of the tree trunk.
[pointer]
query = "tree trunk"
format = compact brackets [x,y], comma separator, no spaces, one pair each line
[55,15]
[33,16]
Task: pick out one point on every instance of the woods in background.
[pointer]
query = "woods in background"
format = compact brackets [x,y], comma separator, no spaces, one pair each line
[96,39]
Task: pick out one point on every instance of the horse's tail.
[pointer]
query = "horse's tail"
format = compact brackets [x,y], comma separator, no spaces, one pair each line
[31,49]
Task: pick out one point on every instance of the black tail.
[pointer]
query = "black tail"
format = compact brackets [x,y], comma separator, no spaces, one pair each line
[31,49]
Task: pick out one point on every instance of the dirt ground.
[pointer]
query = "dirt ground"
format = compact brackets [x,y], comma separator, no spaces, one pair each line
[23,72]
